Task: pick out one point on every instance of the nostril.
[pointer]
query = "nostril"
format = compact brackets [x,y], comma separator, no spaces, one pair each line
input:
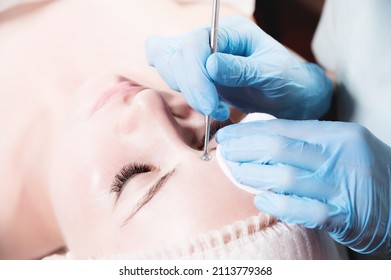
[182,111]
[179,106]
[190,123]
[176,115]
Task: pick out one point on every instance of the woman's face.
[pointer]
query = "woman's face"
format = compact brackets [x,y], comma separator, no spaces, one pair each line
[127,173]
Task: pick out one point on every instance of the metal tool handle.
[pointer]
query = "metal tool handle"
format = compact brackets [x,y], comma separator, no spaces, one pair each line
[213,46]
[215,25]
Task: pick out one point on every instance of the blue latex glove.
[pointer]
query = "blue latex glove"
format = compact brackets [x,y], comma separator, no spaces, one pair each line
[327,175]
[253,72]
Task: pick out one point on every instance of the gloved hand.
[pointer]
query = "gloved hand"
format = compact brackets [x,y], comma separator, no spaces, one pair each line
[252,71]
[327,175]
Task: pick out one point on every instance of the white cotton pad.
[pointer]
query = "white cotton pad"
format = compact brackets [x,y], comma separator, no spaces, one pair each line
[226,165]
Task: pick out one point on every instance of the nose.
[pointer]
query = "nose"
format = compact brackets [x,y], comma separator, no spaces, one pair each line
[164,117]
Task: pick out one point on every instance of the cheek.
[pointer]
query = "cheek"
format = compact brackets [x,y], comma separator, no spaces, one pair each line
[191,204]
[74,209]
[80,194]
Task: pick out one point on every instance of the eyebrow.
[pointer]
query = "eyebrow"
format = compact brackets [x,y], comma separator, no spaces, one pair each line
[152,191]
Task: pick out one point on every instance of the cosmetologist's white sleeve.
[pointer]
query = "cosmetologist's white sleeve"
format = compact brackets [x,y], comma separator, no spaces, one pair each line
[324,44]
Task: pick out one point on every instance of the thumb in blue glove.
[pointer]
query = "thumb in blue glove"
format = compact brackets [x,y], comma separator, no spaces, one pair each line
[181,63]
[326,175]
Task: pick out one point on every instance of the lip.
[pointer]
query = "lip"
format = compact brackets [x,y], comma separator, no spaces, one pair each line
[120,89]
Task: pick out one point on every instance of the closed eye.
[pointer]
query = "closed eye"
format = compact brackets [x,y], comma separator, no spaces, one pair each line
[126,173]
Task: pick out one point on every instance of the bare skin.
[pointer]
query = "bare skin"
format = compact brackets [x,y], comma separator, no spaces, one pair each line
[48,51]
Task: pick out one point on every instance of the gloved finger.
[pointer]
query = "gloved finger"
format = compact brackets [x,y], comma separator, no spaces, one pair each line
[191,75]
[181,63]
[160,51]
[310,131]
[272,149]
[222,113]
[233,71]
[291,209]
[282,179]
[236,36]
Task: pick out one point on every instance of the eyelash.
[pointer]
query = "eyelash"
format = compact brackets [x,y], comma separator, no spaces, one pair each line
[126,173]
